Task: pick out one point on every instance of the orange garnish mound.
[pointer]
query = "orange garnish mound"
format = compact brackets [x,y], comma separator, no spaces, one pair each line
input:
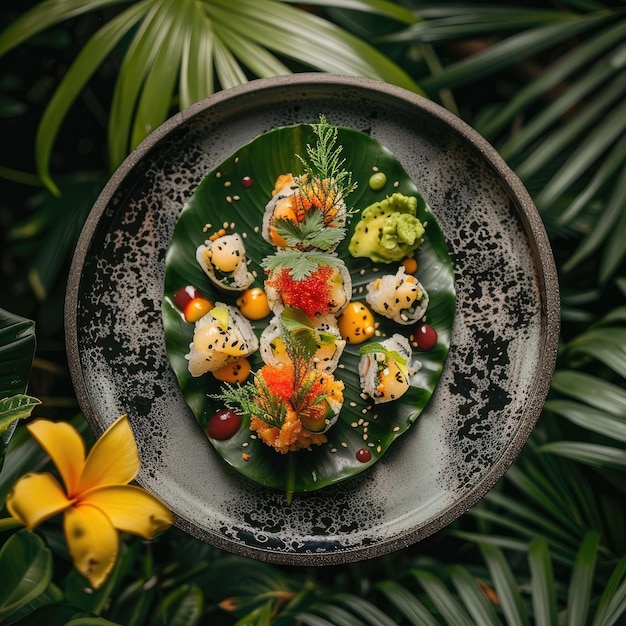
[292,436]
[316,195]
[311,294]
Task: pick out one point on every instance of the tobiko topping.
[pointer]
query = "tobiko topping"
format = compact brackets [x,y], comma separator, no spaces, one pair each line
[311,294]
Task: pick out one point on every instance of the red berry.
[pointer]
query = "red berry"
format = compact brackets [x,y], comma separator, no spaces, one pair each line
[363,455]
[424,338]
[246,182]
[223,424]
[184,296]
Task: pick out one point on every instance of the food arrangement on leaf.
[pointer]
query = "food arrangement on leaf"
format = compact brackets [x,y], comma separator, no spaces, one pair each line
[308,305]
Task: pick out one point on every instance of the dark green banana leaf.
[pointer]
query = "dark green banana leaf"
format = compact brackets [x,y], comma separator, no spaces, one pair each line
[17,349]
[222,200]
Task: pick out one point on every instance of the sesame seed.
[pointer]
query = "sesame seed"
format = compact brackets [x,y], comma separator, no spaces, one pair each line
[227,183]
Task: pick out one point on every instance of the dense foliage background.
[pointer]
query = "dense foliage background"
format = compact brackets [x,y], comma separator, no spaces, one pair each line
[82,82]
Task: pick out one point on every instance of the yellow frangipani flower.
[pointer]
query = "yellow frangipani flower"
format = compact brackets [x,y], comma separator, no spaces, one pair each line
[97,501]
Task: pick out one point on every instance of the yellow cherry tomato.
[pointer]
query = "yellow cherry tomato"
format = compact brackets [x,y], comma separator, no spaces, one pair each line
[235,372]
[410,265]
[356,323]
[197,308]
[253,304]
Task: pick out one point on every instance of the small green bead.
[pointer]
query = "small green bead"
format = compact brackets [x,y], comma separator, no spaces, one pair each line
[377,181]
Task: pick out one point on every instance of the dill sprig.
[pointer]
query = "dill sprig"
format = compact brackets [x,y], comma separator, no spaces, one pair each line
[256,400]
[324,159]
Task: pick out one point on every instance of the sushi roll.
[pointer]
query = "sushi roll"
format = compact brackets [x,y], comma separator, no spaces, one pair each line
[223,259]
[385,368]
[399,297]
[305,213]
[325,359]
[326,289]
[221,337]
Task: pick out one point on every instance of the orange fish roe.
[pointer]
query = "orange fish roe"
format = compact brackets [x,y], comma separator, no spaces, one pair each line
[279,378]
[312,294]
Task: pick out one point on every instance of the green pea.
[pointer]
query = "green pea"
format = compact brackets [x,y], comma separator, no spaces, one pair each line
[377,181]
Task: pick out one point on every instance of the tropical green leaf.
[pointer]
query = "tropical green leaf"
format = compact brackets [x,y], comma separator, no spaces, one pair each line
[612,604]
[568,65]
[445,603]
[588,453]
[336,460]
[57,224]
[511,50]
[17,350]
[406,602]
[473,596]
[542,584]
[586,417]
[26,566]
[459,21]
[15,408]
[580,589]
[44,15]
[366,611]
[181,607]
[157,20]
[507,590]
[601,394]
[391,10]
[82,69]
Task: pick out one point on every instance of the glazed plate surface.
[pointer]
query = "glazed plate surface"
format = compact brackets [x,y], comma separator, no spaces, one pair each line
[490,392]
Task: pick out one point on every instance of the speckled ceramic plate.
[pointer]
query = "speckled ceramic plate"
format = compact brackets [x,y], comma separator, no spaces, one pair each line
[491,390]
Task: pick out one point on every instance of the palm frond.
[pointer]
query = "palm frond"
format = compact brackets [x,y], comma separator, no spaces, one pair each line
[175,49]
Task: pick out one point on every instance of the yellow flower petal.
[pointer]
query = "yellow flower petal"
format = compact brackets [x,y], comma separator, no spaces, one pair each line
[131,509]
[36,497]
[113,460]
[92,541]
[65,446]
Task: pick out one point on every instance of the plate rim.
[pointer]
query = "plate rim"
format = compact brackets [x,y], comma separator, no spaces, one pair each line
[547,279]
